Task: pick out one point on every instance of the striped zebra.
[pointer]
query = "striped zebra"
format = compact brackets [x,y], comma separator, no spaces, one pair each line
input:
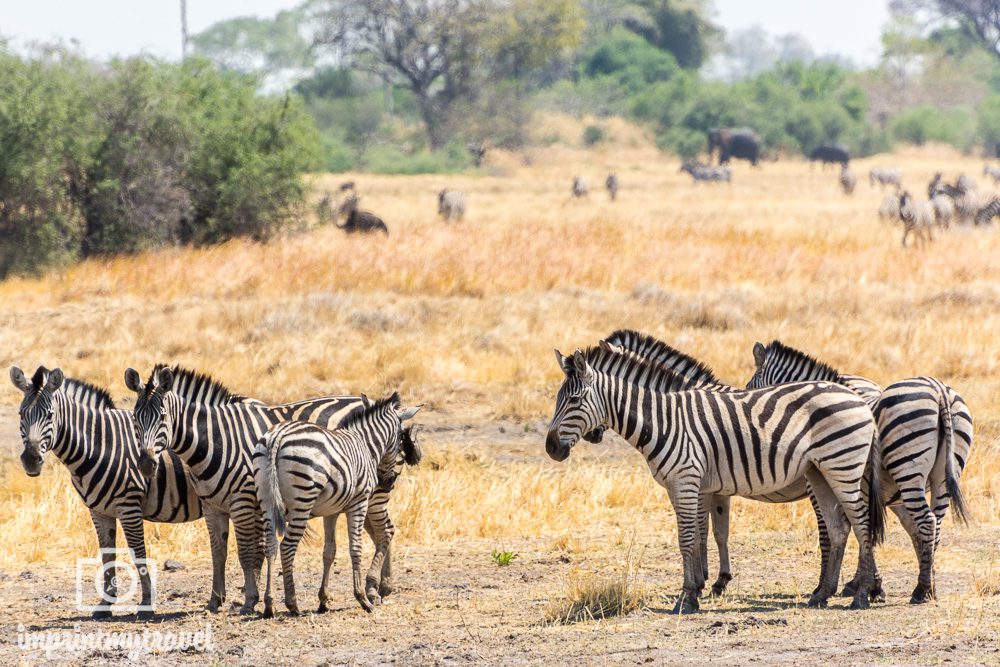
[746,443]
[925,435]
[96,442]
[216,443]
[700,376]
[986,214]
[302,470]
[885,176]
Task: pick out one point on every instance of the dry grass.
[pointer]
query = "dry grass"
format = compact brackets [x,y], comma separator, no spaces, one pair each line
[464,317]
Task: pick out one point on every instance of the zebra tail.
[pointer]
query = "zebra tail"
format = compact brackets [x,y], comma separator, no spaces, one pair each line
[947,448]
[876,504]
[268,491]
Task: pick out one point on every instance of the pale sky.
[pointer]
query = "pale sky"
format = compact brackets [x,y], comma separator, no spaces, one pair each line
[106,28]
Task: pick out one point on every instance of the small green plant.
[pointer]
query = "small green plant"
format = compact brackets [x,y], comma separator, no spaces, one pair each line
[503,558]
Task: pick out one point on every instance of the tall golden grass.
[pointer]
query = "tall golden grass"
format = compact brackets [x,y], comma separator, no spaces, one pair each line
[464,317]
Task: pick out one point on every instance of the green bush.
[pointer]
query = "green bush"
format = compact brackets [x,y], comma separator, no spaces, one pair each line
[593,134]
[925,123]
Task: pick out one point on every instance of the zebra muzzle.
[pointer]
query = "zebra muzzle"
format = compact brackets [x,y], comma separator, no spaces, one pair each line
[554,446]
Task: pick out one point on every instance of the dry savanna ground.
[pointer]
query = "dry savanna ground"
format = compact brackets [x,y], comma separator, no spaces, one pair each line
[463,317]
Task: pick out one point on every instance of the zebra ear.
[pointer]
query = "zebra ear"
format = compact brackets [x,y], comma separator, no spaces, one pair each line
[564,362]
[165,380]
[17,377]
[55,380]
[608,347]
[133,380]
[365,401]
[582,368]
[758,354]
[408,413]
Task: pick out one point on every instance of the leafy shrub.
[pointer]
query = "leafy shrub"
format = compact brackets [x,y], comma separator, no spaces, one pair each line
[593,134]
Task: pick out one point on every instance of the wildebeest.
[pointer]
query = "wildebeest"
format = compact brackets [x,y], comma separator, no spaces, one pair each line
[611,183]
[702,172]
[847,180]
[580,187]
[885,176]
[451,205]
[358,220]
[831,154]
[740,142]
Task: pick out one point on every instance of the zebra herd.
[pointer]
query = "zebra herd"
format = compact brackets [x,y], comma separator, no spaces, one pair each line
[799,429]
[190,448]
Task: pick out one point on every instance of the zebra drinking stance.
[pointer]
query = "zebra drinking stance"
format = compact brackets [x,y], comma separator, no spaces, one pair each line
[78,422]
[216,443]
[925,435]
[303,471]
[740,443]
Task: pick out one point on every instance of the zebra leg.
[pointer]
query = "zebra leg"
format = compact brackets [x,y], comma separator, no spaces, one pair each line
[355,524]
[218,537]
[824,542]
[329,554]
[851,499]
[136,540]
[294,530]
[703,503]
[836,530]
[378,512]
[381,531]
[720,529]
[270,553]
[685,499]
[921,524]
[105,527]
[249,533]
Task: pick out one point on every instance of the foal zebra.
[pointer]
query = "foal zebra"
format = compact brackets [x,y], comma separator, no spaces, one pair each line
[302,470]
[216,442]
[925,434]
[747,443]
[78,422]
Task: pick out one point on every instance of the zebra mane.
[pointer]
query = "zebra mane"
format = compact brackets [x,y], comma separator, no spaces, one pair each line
[78,391]
[195,387]
[658,352]
[637,370]
[362,411]
[803,363]
[88,394]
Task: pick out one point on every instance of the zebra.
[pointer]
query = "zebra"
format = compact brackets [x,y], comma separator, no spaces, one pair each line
[925,435]
[96,442]
[700,376]
[944,210]
[746,443]
[216,442]
[302,470]
[885,176]
[992,172]
[917,217]
[580,187]
[889,208]
[611,183]
[451,205]
[847,180]
[986,214]
[700,172]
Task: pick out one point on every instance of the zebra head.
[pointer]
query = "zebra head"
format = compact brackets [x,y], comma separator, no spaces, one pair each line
[759,379]
[579,409]
[156,409]
[37,414]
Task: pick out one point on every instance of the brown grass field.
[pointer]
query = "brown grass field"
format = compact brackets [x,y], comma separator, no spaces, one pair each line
[464,317]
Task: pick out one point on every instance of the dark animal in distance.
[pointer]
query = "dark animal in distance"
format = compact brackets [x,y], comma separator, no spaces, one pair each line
[358,220]
[346,185]
[611,183]
[580,187]
[740,142]
[478,153]
[830,154]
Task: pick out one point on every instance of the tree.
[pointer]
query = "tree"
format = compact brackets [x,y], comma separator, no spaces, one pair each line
[980,18]
[680,28]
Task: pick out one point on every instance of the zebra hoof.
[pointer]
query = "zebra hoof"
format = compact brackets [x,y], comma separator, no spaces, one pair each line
[686,604]
[294,611]
[921,595]
[268,611]
[385,589]
[101,614]
[247,611]
[877,595]
[860,602]
[850,590]
[817,601]
[365,604]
